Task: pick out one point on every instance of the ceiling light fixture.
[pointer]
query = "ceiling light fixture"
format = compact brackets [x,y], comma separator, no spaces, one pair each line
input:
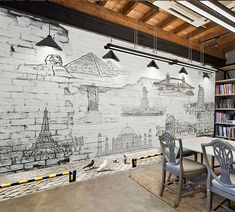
[217,7]
[111,55]
[49,42]
[206,75]
[207,15]
[183,71]
[152,64]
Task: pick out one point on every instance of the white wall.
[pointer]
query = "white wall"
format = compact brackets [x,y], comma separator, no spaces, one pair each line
[131,110]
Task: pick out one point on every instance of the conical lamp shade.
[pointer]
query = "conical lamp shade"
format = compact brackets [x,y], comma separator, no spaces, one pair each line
[153,64]
[206,75]
[48,41]
[111,55]
[183,71]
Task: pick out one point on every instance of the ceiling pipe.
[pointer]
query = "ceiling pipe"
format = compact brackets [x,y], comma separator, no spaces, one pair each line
[157,57]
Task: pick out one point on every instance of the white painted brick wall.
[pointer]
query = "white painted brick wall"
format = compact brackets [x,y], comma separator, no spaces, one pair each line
[25,91]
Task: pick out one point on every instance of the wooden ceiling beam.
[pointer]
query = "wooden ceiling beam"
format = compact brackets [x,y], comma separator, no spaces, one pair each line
[149,15]
[180,28]
[212,35]
[130,5]
[202,31]
[226,40]
[230,46]
[101,2]
[168,21]
[115,17]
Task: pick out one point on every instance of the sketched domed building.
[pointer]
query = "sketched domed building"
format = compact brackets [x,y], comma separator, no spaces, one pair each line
[126,140]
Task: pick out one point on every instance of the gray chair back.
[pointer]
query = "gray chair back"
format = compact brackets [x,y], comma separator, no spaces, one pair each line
[223,152]
[170,150]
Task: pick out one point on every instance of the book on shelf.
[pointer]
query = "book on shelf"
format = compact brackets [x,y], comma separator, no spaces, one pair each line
[226,103]
[228,88]
[222,117]
[224,131]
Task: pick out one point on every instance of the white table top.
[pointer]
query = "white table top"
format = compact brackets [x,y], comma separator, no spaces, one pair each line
[195,144]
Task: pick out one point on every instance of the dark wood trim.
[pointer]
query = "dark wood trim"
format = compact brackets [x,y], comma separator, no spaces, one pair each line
[61,14]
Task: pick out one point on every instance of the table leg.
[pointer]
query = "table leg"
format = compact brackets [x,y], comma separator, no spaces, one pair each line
[201,158]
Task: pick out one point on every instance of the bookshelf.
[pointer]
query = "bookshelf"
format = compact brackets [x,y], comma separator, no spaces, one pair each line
[225,109]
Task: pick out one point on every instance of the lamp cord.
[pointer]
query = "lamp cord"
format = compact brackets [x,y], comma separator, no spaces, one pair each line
[155,37]
[135,36]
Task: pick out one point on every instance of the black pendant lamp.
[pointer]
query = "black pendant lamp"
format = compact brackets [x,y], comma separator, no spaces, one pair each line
[206,75]
[153,64]
[183,71]
[111,55]
[49,42]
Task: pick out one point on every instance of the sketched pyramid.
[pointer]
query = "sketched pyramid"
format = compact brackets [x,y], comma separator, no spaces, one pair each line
[113,67]
[90,64]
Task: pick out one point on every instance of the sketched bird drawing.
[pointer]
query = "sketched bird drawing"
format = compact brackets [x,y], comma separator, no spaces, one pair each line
[90,164]
[103,166]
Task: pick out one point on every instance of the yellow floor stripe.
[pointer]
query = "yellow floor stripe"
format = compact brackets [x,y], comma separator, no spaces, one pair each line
[52,175]
[6,185]
[38,178]
[64,173]
[23,181]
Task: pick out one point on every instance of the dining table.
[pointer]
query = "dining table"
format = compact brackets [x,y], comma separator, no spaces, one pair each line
[194,144]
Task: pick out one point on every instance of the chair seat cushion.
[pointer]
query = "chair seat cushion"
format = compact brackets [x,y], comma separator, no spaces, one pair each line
[188,152]
[190,166]
[216,184]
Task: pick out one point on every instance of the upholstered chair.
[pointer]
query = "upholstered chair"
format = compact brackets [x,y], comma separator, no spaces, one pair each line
[176,165]
[224,183]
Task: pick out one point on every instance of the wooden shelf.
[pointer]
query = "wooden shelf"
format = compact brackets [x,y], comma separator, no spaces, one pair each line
[225,81]
[224,137]
[230,67]
[221,123]
[227,109]
[219,95]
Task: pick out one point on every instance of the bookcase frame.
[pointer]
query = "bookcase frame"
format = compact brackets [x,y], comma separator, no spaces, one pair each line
[218,97]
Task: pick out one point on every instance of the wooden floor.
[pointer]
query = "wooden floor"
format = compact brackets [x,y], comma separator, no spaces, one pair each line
[150,178]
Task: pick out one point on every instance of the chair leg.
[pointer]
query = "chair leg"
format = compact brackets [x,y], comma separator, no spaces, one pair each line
[179,192]
[169,177]
[209,201]
[163,182]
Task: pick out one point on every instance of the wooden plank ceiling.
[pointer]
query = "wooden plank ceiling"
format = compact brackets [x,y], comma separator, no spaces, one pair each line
[149,19]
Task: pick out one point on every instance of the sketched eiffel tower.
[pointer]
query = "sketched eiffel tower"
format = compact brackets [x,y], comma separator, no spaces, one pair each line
[45,145]
[45,139]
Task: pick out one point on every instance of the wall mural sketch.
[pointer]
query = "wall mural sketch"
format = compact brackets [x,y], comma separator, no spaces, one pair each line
[201,125]
[127,140]
[45,146]
[46,151]
[174,85]
[93,115]
[144,109]
[90,64]
[53,66]
[89,100]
